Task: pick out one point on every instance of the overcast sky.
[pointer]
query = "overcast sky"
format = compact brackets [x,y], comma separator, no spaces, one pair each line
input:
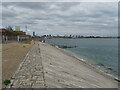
[83,18]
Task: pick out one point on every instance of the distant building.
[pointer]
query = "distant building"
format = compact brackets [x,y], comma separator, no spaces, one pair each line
[17,28]
[27,32]
[33,33]
[19,33]
[7,32]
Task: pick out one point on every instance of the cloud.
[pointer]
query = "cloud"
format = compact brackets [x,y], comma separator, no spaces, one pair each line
[63,17]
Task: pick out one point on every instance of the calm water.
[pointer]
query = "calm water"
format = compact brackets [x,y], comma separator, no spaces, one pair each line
[101,53]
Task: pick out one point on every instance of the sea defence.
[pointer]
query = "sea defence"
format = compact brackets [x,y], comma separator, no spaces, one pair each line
[12,54]
[48,67]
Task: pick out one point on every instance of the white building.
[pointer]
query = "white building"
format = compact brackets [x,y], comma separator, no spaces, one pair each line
[17,28]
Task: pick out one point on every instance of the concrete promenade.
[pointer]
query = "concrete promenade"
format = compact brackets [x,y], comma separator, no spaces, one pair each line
[48,67]
[30,73]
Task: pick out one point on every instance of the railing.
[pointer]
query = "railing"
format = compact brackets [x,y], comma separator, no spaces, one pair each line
[20,38]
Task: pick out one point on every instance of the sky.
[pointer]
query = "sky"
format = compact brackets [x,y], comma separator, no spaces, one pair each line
[63,18]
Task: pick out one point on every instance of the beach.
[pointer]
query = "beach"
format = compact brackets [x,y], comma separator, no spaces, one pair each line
[13,54]
[46,66]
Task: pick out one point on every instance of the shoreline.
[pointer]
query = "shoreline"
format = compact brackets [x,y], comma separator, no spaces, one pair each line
[89,65]
[57,69]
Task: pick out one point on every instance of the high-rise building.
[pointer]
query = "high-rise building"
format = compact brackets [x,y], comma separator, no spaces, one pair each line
[33,33]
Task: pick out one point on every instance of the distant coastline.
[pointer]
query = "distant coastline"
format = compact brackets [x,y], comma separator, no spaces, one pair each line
[77,36]
[85,37]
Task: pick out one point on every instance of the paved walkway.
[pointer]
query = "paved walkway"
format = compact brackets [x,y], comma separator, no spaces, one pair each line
[30,74]
[48,67]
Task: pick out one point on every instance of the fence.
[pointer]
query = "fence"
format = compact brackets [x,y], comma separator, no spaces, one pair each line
[20,38]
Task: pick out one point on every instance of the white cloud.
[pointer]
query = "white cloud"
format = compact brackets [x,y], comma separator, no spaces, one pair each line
[63,18]
[61,1]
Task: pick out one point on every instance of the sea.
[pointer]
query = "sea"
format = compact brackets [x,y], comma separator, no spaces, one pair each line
[101,53]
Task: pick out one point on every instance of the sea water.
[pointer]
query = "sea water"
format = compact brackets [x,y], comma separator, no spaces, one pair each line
[99,52]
